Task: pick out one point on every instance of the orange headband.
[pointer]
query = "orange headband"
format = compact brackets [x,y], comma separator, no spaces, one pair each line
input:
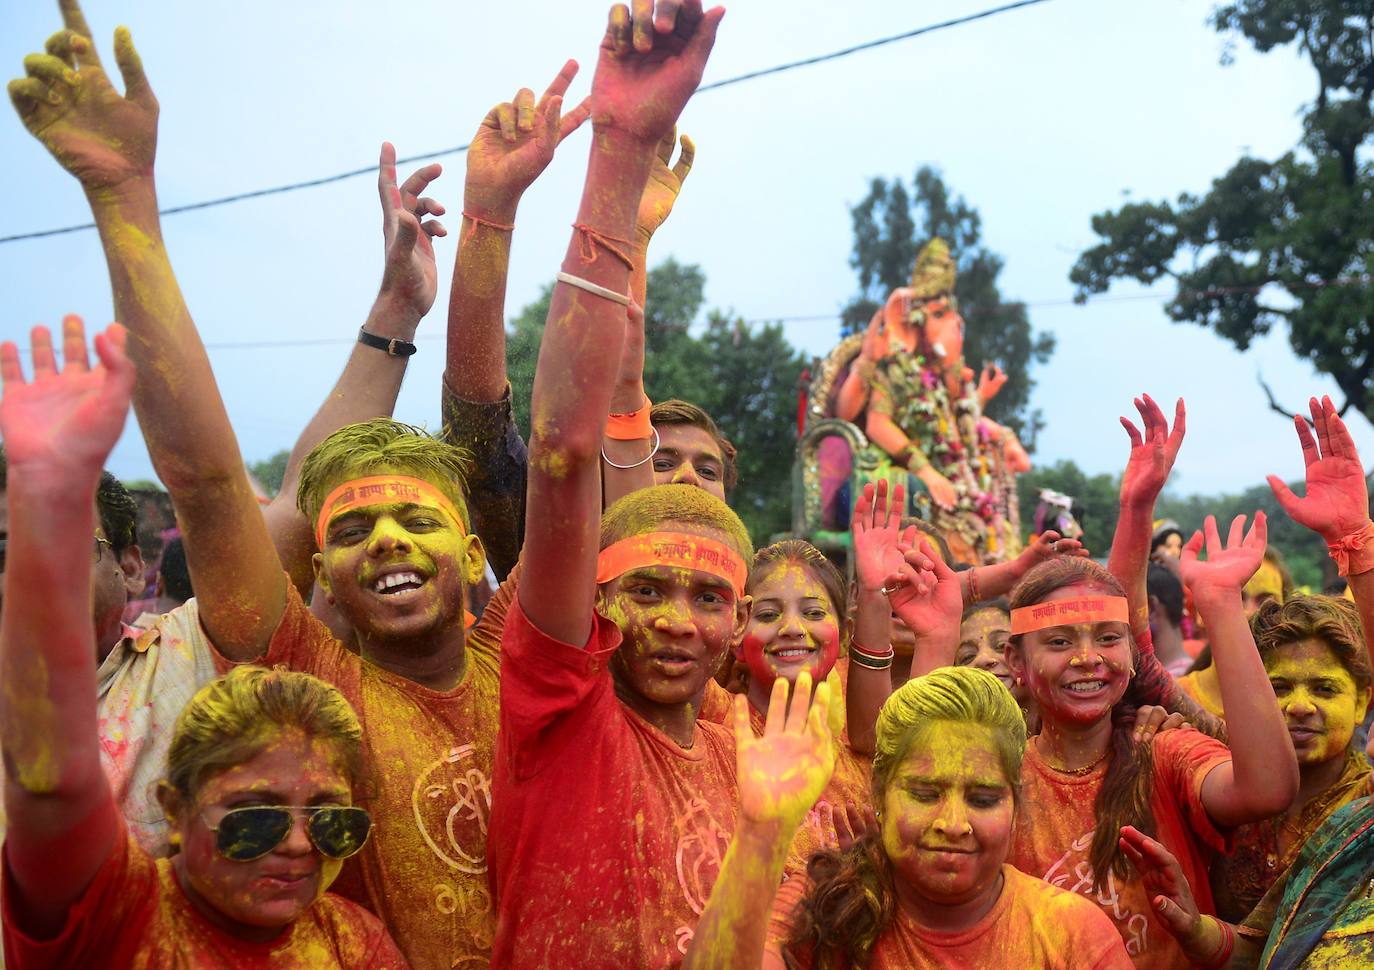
[381,488]
[672,549]
[1089,609]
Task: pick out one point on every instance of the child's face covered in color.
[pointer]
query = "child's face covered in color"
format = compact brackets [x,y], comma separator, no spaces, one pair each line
[398,570]
[983,640]
[272,891]
[677,624]
[793,626]
[1320,703]
[1075,673]
[947,814]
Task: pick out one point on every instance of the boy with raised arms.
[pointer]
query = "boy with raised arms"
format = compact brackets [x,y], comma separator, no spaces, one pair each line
[389,516]
[612,803]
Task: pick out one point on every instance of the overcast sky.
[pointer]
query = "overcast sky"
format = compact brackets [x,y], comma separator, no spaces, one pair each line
[1039,117]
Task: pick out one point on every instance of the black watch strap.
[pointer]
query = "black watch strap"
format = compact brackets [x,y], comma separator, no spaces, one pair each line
[394,346]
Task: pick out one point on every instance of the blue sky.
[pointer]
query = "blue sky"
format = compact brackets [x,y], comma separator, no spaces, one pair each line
[1040,118]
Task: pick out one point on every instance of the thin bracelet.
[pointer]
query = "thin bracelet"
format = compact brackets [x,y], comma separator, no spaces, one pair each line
[479,221]
[863,661]
[973,585]
[636,464]
[593,288]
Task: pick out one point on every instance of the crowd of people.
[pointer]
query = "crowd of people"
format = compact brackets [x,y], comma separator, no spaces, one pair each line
[658,745]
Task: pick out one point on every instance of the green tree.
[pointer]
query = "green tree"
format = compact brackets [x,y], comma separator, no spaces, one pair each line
[270,471]
[1289,241]
[744,376]
[890,226]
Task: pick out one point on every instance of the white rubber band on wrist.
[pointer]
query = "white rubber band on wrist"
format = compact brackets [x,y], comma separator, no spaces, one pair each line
[593,288]
[641,461]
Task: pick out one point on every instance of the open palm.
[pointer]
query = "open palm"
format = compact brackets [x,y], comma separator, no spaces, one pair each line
[65,422]
[878,535]
[1228,567]
[1337,499]
[783,773]
[1153,452]
[664,185]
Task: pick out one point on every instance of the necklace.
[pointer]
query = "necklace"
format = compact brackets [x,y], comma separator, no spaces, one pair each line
[1070,771]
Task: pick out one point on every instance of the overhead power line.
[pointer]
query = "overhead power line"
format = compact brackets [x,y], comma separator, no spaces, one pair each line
[1361,280]
[714,85]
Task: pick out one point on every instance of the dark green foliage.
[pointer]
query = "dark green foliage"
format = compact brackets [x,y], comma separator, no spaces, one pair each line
[1272,242]
[744,376]
[890,227]
[270,471]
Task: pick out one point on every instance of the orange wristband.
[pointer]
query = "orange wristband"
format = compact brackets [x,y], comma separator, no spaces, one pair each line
[632,426]
[1355,553]
[1087,609]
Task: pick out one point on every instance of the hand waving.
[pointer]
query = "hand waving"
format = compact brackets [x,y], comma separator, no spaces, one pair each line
[649,68]
[878,537]
[410,275]
[515,143]
[65,423]
[1337,499]
[925,593]
[783,773]
[1152,456]
[661,191]
[68,103]
[1228,568]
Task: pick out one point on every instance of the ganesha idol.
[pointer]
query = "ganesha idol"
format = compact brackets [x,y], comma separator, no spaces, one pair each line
[903,384]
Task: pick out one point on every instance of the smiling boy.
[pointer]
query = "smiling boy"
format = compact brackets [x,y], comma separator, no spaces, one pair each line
[612,803]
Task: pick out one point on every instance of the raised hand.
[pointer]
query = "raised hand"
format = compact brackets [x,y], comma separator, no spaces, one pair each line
[783,773]
[925,593]
[647,69]
[878,537]
[661,191]
[1153,454]
[874,346]
[515,143]
[68,103]
[65,423]
[410,276]
[1048,545]
[1337,499]
[990,382]
[1228,567]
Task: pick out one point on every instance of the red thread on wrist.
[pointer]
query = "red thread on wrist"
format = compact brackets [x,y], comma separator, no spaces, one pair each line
[631,427]
[479,221]
[589,239]
[1354,554]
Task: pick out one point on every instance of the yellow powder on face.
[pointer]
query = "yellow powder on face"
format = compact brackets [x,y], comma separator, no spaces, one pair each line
[1267,580]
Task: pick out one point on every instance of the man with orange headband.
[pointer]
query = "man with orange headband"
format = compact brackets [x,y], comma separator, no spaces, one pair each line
[387,504]
[612,802]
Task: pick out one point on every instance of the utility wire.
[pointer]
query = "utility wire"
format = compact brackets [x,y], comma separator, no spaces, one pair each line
[1362,280]
[714,85]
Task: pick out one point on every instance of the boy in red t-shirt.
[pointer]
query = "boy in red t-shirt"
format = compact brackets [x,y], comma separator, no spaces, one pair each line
[612,804]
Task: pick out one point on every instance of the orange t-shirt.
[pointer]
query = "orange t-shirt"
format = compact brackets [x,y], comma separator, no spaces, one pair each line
[428,756]
[135,915]
[1032,924]
[1055,823]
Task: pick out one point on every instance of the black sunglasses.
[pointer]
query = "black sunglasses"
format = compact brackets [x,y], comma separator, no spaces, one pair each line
[245,834]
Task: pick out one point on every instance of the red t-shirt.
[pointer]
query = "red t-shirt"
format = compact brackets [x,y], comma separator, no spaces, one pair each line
[428,758]
[134,914]
[1032,924]
[1055,823]
[606,837]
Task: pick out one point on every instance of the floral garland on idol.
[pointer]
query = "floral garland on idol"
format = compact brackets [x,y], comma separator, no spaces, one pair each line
[959,445]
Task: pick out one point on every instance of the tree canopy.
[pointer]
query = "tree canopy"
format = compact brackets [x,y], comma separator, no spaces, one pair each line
[891,224]
[743,375]
[1288,241]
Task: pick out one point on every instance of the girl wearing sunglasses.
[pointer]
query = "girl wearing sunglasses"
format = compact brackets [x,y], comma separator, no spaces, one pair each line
[260,770]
